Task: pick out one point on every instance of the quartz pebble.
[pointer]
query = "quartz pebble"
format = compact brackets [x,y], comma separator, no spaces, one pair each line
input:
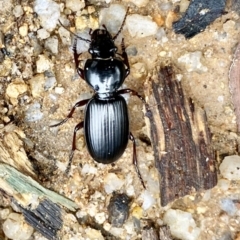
[112,17]
[48,12]
[15,227]
[112,183]
[228,206]
[52,44]
[192,62]
[182,224]
[75,5]
[43,64]
[65,36]
[15,89]
[230,167]
[33,113]
[140,3]
[140,26]
[23,30]
[18,11]
[37,85]
[42,33]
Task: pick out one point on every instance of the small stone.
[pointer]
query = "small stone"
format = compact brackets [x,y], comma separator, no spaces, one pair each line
[48,12]
[43,64]
[158,19]
[91,9]
[192,62]
[140,3]
[224,184]
[139,70]
[182,224]
[52,44]
[137,212]
[228,206]
[93,234]
[112,183]
[6,67]
[65,36]
[148,200]
[16,228]
[37,85]
[42,33]
[230,167]
[118,209]
[59,90]
[49,83]
[75,5]
[15,89]
[112,17]
[140,26]
[171,17]
[4,213]
[34,113]
[18,11]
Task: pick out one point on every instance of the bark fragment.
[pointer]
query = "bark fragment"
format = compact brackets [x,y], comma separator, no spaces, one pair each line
[180,138]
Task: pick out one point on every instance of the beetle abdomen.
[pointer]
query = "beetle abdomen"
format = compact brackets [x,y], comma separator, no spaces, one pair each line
[106,127]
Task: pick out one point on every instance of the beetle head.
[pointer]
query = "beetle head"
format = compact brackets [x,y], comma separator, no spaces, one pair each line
[102,44]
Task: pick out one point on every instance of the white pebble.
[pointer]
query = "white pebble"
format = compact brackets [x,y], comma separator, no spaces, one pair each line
[75,5]
[23,30]
[140,26]
[140,3]
[59,90]
[182,224]
[48,12]
[100,217]
[16,228]
[230,167]
[37,85]
[93,234]
[112,183]
[18,11]
[42,33]
[65,36]
[192,62]
[88,169]
[4,213]
[52,44]
[43,64]
[223,184]
[112,17]
[34,113]
[228,206]
[148,200]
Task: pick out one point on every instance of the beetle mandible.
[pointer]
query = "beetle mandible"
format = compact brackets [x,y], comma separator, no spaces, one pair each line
[106,122]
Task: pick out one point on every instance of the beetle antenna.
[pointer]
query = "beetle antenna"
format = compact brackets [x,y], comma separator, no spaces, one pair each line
[121,25]
[86,40]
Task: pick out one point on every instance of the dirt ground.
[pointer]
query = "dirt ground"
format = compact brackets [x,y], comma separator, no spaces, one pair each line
[29,106]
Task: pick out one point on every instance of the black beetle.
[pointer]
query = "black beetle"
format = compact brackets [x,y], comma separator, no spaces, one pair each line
[106,123]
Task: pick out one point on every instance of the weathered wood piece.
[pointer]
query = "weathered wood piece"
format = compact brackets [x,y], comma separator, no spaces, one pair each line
[21,187]
[198,16]
[180,138]
[164,233]
[40,206]
[234,84]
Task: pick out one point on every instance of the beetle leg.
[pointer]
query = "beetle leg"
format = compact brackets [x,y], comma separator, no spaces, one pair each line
[76,55]
[134,93]
[78,104]
[78,127]
[135,162]
[125,58]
